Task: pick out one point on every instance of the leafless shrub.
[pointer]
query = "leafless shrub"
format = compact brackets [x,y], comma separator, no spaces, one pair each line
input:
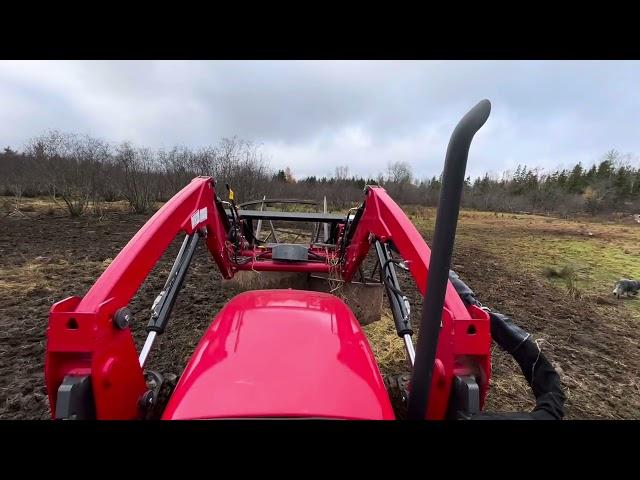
[570,276]
[71,167]
[137,166]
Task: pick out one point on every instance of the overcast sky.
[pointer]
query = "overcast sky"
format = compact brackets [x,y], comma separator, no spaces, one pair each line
[315,115]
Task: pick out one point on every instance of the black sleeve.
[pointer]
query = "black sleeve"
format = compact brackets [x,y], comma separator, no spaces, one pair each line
[541,377]
[536,368]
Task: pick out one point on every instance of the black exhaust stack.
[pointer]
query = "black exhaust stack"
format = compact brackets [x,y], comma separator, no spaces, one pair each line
[444,235]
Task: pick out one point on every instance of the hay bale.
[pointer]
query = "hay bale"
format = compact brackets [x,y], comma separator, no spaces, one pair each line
[252,280]
[364,299]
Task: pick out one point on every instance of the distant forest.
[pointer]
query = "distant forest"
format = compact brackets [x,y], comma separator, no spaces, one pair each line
[81,173]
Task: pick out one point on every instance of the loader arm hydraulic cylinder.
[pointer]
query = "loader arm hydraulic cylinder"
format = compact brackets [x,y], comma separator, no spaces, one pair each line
[399,304]
[163,304]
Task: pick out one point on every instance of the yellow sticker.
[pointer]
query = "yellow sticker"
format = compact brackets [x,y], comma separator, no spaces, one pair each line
[230,194]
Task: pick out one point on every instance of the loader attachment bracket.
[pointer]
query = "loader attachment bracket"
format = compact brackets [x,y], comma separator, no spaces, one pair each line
[465,398]
[75,399]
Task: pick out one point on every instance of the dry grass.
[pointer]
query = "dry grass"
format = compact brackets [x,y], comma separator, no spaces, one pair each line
[566,271]
[570,276]
[43,275]
[45,206]
[387,347]
[508,390]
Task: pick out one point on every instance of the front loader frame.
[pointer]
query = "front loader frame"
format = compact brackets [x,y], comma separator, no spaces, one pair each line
[90,350]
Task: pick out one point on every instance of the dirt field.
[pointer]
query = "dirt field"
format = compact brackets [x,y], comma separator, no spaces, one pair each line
[592,338]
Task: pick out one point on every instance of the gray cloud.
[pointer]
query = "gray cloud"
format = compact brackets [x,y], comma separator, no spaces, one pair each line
[316,115]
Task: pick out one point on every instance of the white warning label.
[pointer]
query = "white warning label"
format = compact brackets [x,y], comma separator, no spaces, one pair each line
[203,214]
[198,217]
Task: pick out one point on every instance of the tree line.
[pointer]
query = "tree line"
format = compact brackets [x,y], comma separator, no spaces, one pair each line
[81,174]
[611,184]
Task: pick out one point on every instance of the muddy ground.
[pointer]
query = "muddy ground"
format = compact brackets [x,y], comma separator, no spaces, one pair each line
[593,341]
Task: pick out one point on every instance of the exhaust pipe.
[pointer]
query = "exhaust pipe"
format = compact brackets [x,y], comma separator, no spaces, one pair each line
[444,235]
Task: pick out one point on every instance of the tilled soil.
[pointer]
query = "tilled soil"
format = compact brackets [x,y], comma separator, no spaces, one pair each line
[592,341]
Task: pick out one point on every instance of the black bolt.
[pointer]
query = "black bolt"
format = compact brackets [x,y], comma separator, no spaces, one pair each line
[122,318]
[147,399]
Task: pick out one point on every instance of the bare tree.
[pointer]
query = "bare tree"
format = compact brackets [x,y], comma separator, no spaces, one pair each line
[341,173]
[70,164]
[399,172]
[240,164]
[16,172]
[137,166]
[178,167]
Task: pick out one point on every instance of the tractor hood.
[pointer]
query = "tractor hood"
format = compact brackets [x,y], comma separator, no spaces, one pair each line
[282,353]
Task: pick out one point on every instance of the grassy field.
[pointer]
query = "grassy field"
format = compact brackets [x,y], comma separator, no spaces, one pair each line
[591,337]
[596,254]
[553,276]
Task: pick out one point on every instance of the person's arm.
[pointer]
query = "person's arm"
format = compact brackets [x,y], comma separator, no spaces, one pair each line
[536,368]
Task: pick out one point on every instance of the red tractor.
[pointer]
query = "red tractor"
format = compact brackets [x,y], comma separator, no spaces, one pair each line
[287,353]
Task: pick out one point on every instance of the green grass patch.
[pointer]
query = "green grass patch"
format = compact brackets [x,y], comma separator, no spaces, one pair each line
[577,256]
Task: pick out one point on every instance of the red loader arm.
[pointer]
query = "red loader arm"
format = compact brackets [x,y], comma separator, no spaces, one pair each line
[465,338]
[83,337]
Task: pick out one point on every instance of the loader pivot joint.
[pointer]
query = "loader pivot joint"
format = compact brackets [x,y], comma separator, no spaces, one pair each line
[122,318]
